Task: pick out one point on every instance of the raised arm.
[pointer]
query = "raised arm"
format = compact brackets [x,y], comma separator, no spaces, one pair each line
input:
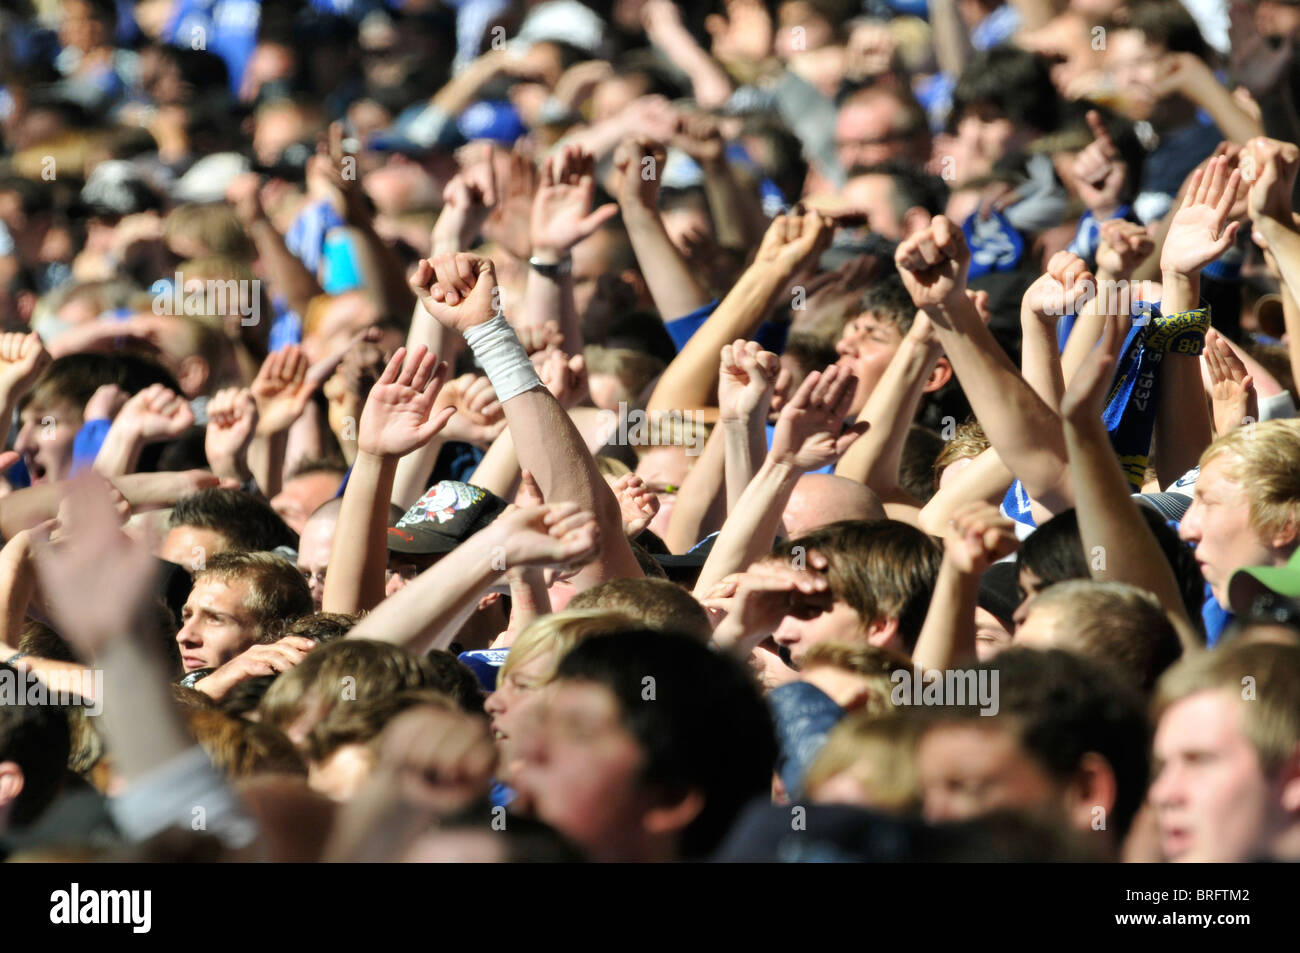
[460,291]
[809,435]
[1020,425]
[1109,522]
[427,612]
[791,242]
[746,380]
[638,164]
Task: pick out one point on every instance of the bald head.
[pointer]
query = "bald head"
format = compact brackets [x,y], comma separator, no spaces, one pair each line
[822,498]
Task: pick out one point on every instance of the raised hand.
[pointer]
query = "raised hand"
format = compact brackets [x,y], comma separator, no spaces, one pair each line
[638,164]
[1064,288]
[438,759]
[980,536]
[154,414]
[232,422]
[1124,245]
[562,214]
[810,430]
[933,264]
[508,224]
[637,503]
[97,584]
[700,137]
[254,662]
[479,417]
[565,376]
[22,359]
[746,379]
[1270,166]
[399,414]
[555,535]
[281,390]
[1099,173]
[459,291]
[764,595]
[795,240]
[467,201]
[1232,390]
[1200,231]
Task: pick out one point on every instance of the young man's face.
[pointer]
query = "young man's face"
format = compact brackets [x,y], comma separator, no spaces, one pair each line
[1134,64]
[1211,797]
[516,705]
[966,770]
[216,625]
[45,439]
[866,347]
[314,547]
[664,470]
[1217,525]
[581,771]
[811,623]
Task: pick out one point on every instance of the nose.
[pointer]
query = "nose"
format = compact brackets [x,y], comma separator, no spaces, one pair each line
[188,636]
[1189,530]
[26,442]
[843,347]
[1022,611]
[494,704]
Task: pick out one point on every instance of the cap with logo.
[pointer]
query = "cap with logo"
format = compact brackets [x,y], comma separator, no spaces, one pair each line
[449,513]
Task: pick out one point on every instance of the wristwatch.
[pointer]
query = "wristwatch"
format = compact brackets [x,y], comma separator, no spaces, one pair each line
[553,270]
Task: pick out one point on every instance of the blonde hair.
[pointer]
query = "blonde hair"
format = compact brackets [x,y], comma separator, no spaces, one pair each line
[873,663]
[214,226]
[1271,719]
[877,751]
[558,633]
[1267,465]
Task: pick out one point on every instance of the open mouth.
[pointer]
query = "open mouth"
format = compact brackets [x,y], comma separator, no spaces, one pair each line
[35,470]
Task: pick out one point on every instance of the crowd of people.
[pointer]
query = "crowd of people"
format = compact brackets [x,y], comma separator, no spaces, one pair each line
[497,430]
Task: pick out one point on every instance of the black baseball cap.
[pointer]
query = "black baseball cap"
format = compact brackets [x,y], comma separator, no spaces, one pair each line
[449,513]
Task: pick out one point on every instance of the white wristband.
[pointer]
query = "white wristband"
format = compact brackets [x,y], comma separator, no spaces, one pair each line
[497,349]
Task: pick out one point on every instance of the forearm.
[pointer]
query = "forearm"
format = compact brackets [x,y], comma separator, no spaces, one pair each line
[947,638]
[386,276]
[120,452]
[692,377]
[1235,123]
[701,503]
[17,583]
[709,81]
[1110,526]
[952,46]
[551,299]
[287,274]
[141,722]
[737,215]
[751,526]
[551,449]
[672,285]
[498,471]
[1023,429]
[354,581]
[414,472]
[987,479]
[435,601]
[529,600]
[1040,361]
[266,460]
[873,459]
[745,445]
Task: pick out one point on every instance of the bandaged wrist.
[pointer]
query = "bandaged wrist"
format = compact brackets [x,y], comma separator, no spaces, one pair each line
[497,349]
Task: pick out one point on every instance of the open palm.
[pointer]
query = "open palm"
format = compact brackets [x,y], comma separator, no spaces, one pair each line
[810,430]
[399,414]
[281,390]
[1200,232]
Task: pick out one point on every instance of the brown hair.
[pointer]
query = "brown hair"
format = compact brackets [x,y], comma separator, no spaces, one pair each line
[883,569]
[241,749]
[277,593]
[654,603]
